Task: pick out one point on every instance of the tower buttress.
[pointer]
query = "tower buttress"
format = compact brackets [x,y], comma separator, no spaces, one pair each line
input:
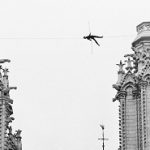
[133,94]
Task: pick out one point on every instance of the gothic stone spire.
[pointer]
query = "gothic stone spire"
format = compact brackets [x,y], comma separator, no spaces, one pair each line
[133,95]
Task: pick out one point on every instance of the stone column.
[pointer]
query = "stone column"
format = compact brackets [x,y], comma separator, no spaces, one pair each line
[142,116]
[131,120]
[137,97]
[122,131]
[146,115]
[3,128]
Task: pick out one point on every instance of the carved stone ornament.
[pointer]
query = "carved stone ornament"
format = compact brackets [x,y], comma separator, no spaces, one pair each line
[5,71]
[120,95]
[136,94]
[120,67]
[142,84]
[129,66]
[117,87]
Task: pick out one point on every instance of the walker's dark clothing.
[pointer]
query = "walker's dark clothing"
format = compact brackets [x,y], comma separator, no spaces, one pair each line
[92,37]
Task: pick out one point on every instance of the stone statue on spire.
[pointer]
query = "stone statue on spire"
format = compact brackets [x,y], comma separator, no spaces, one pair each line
[129,66]
[121,73]
[5,71]
[120,67]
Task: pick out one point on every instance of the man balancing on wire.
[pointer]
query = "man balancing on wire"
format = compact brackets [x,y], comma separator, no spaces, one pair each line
[92,37]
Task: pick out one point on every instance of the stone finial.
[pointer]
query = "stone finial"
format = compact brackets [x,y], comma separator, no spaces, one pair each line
[129,66]
[121,73]
[120,67]
[5,71]
[18,133]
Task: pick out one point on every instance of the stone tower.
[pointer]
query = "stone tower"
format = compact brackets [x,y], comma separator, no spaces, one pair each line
[8,140]
[133,93]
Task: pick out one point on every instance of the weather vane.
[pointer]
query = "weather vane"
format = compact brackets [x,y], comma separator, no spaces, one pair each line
[103,138]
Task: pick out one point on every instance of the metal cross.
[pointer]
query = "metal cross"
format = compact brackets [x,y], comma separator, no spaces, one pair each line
[103,138]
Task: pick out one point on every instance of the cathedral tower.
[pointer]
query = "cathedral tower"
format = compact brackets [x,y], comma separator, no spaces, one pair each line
[8,140]
[133,93]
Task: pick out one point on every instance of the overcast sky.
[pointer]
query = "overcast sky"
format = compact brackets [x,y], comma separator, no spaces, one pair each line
[65,91]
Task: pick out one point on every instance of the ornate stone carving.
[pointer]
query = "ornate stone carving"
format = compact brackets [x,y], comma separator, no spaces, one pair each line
[136,94]
[120,95]
[129,66]
[120,67]
[5,71]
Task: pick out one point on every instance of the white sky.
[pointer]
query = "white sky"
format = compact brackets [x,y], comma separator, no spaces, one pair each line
[65,92]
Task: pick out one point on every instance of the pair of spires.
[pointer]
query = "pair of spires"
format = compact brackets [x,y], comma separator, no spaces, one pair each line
[128,61]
